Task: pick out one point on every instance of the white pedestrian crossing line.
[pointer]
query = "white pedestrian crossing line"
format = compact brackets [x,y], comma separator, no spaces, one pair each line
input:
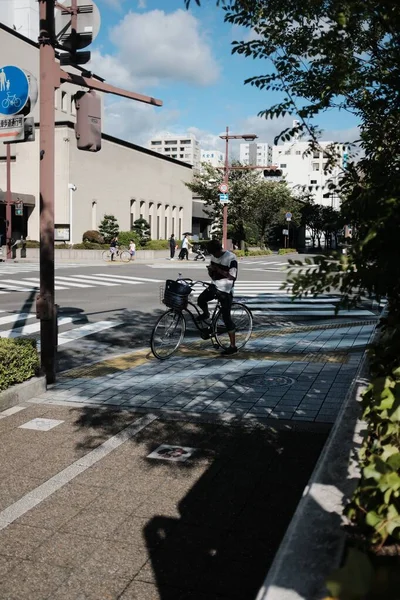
[65,282]
[11,269]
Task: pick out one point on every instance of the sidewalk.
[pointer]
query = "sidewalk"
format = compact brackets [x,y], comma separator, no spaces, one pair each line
[86,514]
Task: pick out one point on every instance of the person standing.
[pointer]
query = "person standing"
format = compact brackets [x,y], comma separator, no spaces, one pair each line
[184,253]
[172,246]
[132,249]
[113,247]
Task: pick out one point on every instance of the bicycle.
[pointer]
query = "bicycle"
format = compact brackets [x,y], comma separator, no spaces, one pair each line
[170,328]
[121,253]
[11,100]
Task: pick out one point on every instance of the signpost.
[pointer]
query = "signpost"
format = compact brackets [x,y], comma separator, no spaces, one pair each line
[12,129]
[288,217]
[14,90]
[19,209]
[224,198]
[223,188]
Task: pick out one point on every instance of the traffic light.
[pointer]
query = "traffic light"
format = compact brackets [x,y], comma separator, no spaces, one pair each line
[88,121]
[272,172]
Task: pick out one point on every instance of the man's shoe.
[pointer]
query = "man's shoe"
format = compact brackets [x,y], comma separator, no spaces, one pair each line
[229,351]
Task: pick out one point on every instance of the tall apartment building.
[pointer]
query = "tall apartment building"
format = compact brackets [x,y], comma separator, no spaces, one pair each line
[213,157]
[307,171]
[22,16]
[256,154]
[181,147]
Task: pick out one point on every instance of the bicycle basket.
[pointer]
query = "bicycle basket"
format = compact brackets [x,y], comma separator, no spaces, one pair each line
[176,294]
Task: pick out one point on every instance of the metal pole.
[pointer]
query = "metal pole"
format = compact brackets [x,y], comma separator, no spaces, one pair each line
[8,203]
[226,178]
[70,215]
[46,309]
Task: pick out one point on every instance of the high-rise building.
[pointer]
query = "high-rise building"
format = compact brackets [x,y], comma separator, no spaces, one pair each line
[256,154]
[306,170]
[22,16]
[181,147]
[213,157]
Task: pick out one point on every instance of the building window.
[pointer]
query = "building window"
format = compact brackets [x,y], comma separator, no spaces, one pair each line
[181,156]
[3,159]
[283,166]
[158,227]
[315,167]
[172,142]
[174,149]
[166,227]
[73,106]
[167,149]
[313,182]
[174,155]
[298,152]
[182,149]
[64,101]
[187,155]
[287,152]
[149,222]
[94,215]
[185,142]
[315,154]
[156,143]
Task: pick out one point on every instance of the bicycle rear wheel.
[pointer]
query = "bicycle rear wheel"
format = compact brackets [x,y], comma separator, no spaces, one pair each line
[167,334]
[125,256]
[106,255]
[243,320]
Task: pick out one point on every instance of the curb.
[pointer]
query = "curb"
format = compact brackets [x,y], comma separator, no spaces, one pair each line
[313,544]
[22,392]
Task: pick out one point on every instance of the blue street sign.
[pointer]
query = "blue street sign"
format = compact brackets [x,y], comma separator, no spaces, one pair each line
[14,90]
[224,197]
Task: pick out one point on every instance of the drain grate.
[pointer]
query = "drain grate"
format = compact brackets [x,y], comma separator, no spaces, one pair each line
[264,381]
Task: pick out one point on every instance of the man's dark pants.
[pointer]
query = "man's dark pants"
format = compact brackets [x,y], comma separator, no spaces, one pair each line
[226,303]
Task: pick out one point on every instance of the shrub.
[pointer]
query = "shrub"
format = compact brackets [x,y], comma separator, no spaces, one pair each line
[19,361]
[124,237]
[89,246]
[157,245]
[32,244]
[241,253]
[93,236]
[287,251]
[109,227]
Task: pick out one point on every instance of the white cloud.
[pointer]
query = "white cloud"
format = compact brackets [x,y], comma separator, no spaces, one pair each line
[141,3]
[154,47]
[135,122]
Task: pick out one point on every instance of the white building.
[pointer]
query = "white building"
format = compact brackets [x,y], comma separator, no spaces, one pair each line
[256,154]
[185,148]
[306,171]
[122,179]
[213,157]
[22,16]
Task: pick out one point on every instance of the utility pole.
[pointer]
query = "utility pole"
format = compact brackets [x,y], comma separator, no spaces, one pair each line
[226,181]
[8,202]
[51,77]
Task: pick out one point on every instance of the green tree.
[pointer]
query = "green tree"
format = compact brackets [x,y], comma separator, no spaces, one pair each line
[142,228]
[109,227]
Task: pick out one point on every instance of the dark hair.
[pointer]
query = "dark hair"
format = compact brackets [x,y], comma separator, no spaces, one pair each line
[214,246]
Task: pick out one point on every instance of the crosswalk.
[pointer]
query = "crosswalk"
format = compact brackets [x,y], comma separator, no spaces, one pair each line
[10,269]
[272,266]
[268,299]
[66,282]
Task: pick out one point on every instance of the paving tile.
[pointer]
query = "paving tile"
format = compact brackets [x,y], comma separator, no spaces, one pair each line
[94,524]
[32,580]
[21,541]
[139,590]
[66,550]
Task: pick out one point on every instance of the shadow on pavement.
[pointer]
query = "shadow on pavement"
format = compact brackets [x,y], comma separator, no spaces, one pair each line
[213,523]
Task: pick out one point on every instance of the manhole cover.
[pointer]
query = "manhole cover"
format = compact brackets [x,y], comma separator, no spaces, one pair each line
[264,381]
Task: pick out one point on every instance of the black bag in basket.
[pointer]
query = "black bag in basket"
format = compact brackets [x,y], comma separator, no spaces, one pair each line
[176,294]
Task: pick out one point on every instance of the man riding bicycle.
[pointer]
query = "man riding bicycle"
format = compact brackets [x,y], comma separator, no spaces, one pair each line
[223,270]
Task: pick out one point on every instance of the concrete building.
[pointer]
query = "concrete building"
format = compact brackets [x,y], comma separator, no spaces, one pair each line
[122,179]
[255,154]
[185,148]
[21,16]
[306,171]
[213,157]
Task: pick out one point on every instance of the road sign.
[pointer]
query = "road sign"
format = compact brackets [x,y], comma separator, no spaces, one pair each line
[14,90]
[223,188]
[285,231]
[88,25]
[12,129]
[288,216]
[224,198]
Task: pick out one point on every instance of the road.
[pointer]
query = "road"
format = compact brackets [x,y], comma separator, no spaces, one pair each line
[110,308]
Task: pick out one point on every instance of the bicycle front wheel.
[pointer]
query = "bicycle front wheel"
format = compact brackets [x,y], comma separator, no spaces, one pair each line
[167,334]
[106,255]
[243,320]
[125,256]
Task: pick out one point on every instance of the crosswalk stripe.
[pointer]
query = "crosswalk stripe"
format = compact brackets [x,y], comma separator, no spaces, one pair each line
[71,281]
[92,279]
[27,329]
[16,317]
[37,280]
[12,288]
[130,278]
[85,330]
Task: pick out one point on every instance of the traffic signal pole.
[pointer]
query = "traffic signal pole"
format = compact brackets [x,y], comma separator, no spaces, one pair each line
[45,306]
[226,181]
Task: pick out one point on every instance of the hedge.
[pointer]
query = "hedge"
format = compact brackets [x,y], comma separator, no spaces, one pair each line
[287,251]
[240,253]
[19,361]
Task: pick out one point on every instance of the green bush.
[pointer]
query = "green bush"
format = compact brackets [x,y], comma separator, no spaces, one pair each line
[90,246]
[241,253]
[287,251]
[62,246]
[157,245]
[93,236]
[19,361]
[32,244]
[124,237]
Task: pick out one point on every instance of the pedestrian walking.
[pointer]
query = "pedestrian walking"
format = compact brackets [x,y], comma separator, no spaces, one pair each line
[172,246]
[184,253]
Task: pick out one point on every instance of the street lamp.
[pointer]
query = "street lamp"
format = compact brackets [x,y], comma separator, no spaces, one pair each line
[71,188]
[248,137]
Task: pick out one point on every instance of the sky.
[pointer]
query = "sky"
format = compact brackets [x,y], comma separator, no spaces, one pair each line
[183,57]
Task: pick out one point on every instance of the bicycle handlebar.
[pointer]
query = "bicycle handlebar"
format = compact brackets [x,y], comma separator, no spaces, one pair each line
[192,283]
